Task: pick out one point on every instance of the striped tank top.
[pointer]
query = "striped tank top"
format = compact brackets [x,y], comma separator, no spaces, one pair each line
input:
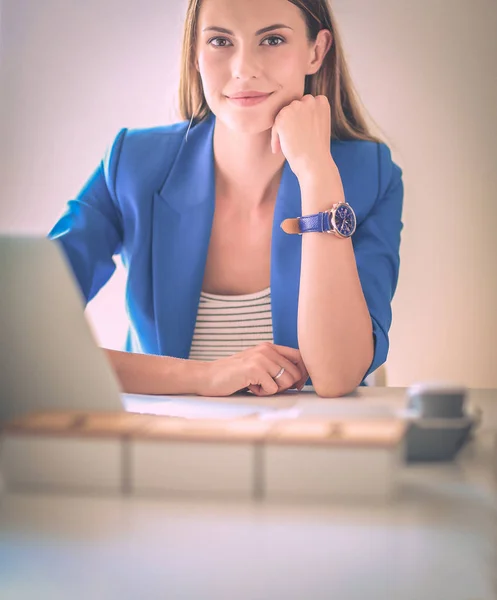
[229,324]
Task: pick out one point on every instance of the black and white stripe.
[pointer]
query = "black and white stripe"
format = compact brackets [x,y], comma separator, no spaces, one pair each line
[229,324]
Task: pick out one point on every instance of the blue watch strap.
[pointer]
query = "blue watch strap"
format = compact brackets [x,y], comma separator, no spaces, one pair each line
[319,222]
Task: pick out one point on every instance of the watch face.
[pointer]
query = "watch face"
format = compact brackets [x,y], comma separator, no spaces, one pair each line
[345,221]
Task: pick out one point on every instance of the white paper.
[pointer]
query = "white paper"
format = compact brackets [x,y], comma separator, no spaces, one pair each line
[192,408]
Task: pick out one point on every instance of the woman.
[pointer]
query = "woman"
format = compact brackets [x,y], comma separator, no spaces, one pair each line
[204,214]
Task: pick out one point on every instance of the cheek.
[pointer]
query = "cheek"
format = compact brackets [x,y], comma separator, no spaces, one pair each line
[290,77]
[289,66]
[287,69]
[212,69]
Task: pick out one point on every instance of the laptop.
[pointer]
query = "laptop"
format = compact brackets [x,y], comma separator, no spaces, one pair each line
[49,359]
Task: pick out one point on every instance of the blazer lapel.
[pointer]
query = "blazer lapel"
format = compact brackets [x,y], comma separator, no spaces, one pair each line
[182,222]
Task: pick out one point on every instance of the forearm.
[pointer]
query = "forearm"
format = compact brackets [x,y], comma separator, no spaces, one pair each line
[334,325]
[151,374]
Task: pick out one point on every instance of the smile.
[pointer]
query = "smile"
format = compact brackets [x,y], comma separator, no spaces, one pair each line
[249,101]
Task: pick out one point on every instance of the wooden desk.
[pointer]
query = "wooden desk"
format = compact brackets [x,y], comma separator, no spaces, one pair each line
[437,542]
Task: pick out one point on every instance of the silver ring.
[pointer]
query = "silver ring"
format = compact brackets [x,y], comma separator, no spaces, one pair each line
[279,374]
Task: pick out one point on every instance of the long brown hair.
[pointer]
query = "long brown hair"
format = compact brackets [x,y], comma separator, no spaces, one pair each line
[332,80]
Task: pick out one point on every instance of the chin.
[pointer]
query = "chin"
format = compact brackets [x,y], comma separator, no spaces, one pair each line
[248,122]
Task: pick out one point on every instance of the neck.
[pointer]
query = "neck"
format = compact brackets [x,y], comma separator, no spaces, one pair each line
[246,170]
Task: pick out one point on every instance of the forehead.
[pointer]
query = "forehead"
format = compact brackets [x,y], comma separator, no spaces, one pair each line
[248,14]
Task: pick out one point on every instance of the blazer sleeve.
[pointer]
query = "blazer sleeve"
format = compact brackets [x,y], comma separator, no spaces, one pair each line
[90,231]
[376,245]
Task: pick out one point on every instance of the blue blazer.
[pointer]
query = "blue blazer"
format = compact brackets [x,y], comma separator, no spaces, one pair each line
[151,201]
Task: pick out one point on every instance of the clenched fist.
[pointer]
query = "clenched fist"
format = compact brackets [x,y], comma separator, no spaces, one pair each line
[255,369]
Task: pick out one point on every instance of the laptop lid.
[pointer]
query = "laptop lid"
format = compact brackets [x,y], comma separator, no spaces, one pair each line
[49,359]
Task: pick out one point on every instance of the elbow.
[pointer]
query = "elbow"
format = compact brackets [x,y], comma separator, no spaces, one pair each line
[335,388]
[341,378]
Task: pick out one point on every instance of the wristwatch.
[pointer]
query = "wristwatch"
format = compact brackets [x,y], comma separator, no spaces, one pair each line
[340,220]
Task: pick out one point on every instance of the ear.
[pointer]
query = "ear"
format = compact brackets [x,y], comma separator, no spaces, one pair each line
[323,43]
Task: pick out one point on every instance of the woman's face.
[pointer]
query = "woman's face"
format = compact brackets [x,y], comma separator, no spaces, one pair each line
[234,56]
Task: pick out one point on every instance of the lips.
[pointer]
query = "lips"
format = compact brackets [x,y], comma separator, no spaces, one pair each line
[248,100]
[248,94]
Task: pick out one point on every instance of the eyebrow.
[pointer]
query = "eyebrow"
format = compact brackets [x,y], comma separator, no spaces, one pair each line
[259,32]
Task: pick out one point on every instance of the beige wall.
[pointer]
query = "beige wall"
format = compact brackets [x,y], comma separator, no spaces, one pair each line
[73,73]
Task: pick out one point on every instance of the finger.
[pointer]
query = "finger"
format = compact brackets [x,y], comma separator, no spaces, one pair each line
[305,375]
[301,382]
[267,384]
[290,353]
[260,381]
[291,374]
[285,381]
[294,356]
[272,368]
[258,390]
[303,371]
[265,377]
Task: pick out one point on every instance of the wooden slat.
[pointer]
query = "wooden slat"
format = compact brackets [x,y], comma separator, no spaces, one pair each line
[313,431]
[334,432]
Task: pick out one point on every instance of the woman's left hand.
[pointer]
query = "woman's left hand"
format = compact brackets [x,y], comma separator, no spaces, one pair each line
[302,131]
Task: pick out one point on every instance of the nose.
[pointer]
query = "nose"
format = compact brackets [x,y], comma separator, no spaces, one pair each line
[245,63]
